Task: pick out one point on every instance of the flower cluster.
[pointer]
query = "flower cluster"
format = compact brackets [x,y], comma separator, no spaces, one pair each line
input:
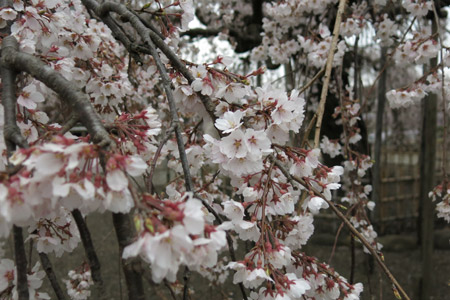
[79,283]
[8,281]
[178,235]
[250,180]
[58,234]
[443,207]
[66,172]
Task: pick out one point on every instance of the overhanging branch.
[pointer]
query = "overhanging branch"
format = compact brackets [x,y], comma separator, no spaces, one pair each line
[13,59]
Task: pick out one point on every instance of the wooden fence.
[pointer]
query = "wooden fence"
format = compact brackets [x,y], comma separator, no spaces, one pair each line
[400,187]
[398,208]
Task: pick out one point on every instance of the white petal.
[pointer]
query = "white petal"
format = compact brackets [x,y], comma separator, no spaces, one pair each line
[116,180]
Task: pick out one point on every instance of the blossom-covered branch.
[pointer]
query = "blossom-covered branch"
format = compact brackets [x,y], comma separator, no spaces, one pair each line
[14,59]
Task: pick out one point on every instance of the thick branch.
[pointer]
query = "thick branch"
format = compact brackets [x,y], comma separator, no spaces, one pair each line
[91,255]
[47,266]
[125,235]
[11,131]
[21,264]
[13,138]
[80,102]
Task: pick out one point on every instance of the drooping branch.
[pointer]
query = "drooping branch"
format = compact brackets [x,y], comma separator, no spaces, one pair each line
[355,232]
[145,33]
[13,138]
[47,266]
[328,68]
[21,264]
[148,33]
[14,59]
[91,255]
[152,40]
[11,131]
[125,235]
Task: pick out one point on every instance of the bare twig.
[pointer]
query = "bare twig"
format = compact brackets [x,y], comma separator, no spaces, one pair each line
[91,255]
[172,293]
[47,266]
[155,159]
[349,225]
[329,67]
[73,120]
[309,83]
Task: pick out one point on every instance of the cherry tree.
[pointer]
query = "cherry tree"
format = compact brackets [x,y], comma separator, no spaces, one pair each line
[96,96]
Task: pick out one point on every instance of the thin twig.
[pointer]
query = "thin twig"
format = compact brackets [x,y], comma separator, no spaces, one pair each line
[341,226]
[349,226]
[264,198]
[172,293]
[308,131]
[155,159]
[329,67]
[73,120]
[186,278]
[309,83]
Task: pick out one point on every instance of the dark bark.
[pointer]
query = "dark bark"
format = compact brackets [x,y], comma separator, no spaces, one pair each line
[47,266]
[427,182]
[11,131]
[13,138]
[21,264]
[91,255]
[125,233]
[376,169]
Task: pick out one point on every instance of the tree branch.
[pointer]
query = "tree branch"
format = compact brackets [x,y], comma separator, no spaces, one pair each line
[155,159]
[125,235]
[80,102]
[11,131]
[329,66]
[13,138]
[47,266]
[91,255]
[21,263]
[151,39]
[148,33]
